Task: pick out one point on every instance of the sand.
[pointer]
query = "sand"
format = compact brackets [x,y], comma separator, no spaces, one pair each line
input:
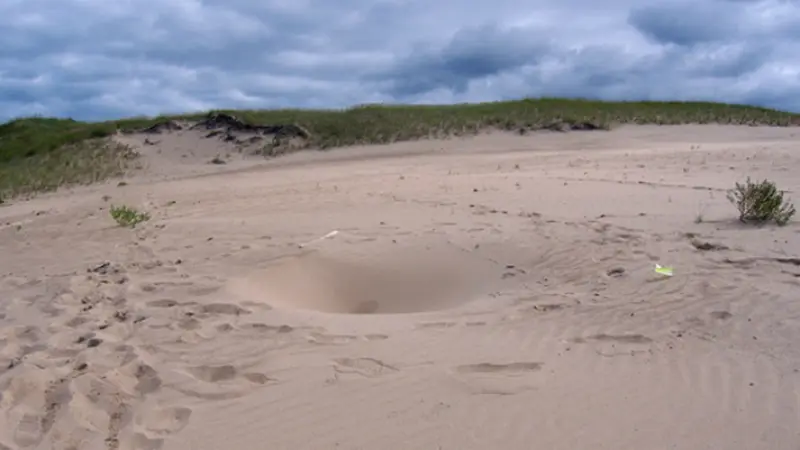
[488,292]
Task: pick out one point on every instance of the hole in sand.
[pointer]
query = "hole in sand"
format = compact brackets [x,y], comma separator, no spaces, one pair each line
[413,280]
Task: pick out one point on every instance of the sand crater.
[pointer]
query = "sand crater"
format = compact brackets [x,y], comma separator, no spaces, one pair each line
[384,284]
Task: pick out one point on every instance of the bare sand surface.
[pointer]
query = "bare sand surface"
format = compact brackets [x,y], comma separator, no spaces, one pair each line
[495,292]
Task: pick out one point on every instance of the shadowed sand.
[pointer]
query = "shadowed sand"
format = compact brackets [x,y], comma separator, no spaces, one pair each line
[487,292]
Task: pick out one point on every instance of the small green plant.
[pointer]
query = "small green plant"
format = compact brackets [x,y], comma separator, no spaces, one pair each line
[760,203]
[128,217]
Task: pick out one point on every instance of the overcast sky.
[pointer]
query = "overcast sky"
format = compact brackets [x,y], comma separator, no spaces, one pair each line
[98,59]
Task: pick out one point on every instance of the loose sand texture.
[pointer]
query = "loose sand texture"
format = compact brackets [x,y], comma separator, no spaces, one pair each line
[492,292]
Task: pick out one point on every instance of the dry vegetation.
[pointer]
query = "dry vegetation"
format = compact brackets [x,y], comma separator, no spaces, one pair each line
[39,154]
[77,163]
[760,203]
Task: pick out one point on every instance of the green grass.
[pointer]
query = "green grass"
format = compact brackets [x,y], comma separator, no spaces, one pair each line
[377,124]
[36,136]
[84,162]
[41,148]
[761,202]
[128,217]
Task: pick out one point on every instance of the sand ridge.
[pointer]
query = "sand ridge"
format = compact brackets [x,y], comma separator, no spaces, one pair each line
[515,302]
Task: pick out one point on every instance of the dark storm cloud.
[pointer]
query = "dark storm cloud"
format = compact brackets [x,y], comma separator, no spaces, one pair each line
[688,23]
[470,54]
[95,59]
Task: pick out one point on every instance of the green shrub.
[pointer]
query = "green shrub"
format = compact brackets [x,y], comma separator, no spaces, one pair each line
[760,203]
[128,217]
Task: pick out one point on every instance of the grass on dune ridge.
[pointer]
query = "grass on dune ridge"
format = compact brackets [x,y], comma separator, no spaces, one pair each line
[38,154]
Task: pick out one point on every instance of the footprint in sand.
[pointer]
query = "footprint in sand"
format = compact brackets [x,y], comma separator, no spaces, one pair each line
[162,422]
[613,339]
[223,309]
[221,382]
[508,369]
[28,431]
[31,427]
[76,321]
[610,345]
[362,367]
[188,323]
[147,380]
[341,339]
[163,303]
[543,308]
[34,402]
[376,337]
[621,338]
[195,319]
[55,396]
[138,441]
[330,339]
[721,315]
[257,378]
[226,373]
[436,325]
[213,374]
[264,328]
[225,328]
[499,378]
[256,305]
[199,291]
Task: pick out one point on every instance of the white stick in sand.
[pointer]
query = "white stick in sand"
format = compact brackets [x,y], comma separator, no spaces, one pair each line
[327,236]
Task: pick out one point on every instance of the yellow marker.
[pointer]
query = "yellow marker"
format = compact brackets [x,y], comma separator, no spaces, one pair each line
[666,271]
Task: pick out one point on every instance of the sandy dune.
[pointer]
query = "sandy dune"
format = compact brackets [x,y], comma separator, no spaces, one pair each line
[495,292]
